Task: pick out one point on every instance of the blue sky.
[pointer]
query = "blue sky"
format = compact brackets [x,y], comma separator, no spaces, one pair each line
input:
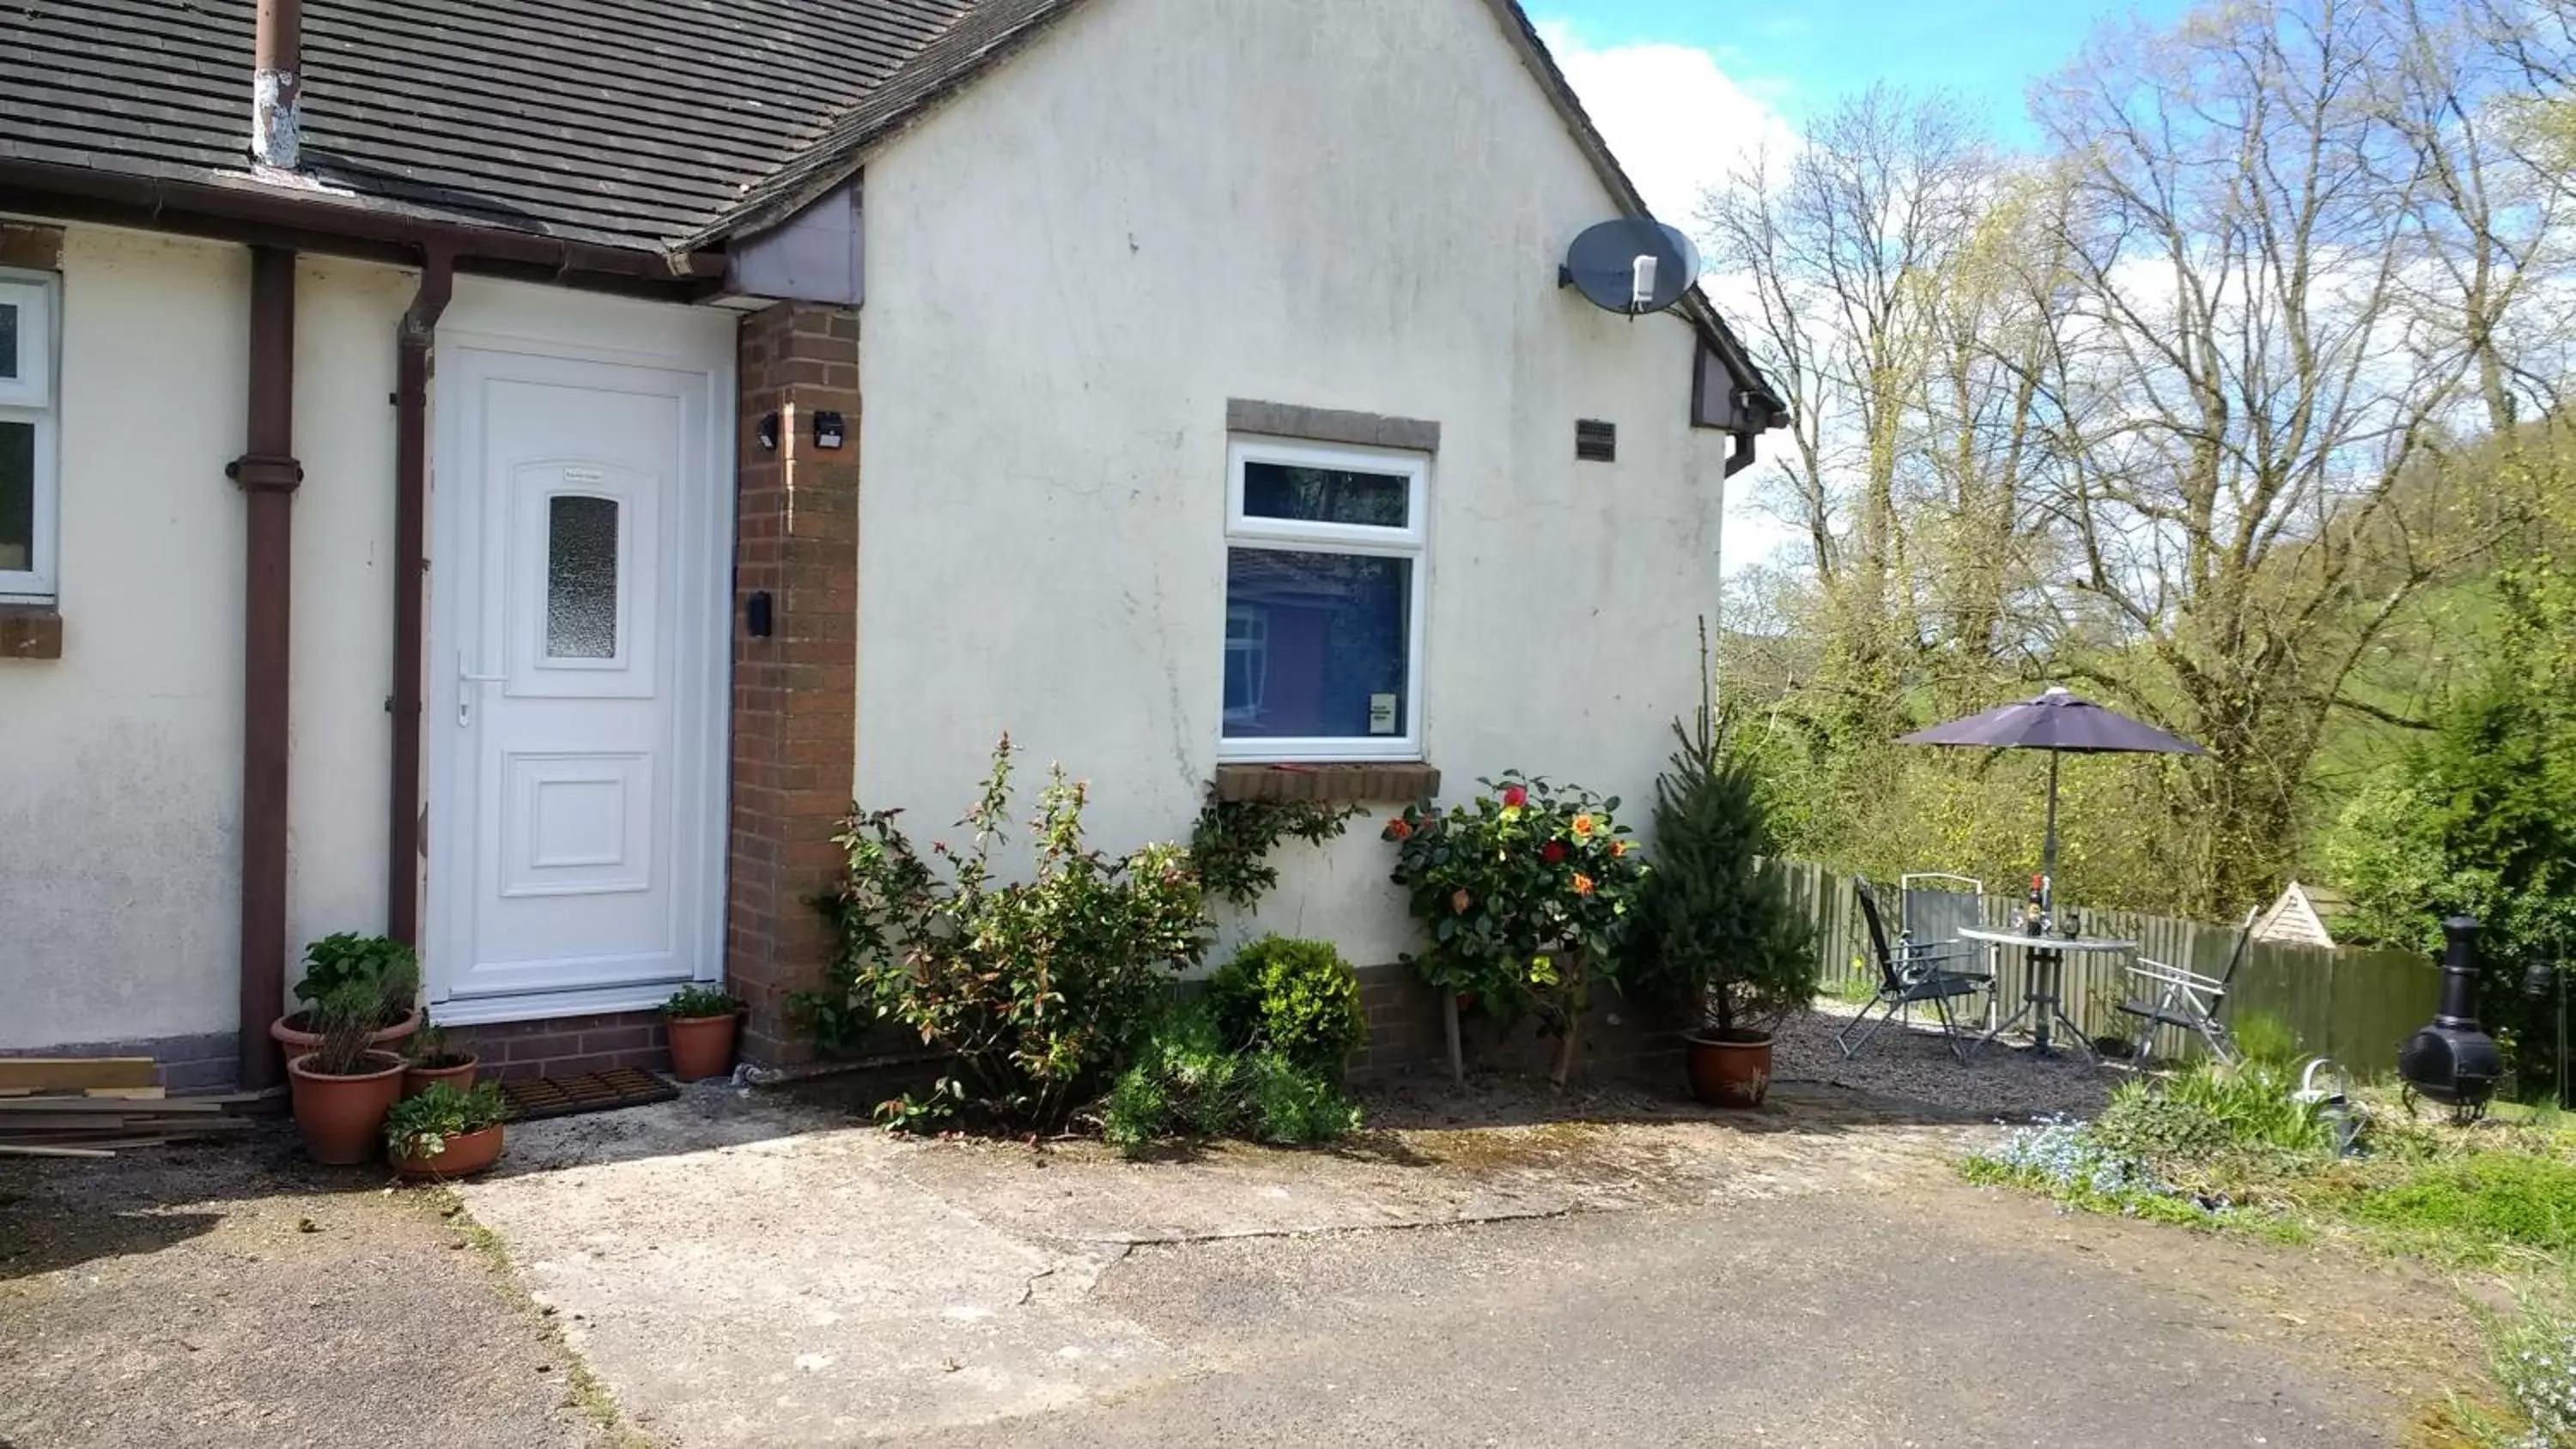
[1799,57]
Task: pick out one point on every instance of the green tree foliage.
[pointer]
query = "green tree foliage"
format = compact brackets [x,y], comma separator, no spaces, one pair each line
[1715,928]
[2199,410]
[2480,818]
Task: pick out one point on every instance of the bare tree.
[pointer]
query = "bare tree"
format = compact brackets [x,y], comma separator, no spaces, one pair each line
[2291,272]
[1841,246]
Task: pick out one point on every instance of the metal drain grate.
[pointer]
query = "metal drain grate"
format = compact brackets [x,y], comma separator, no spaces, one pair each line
[535,1097]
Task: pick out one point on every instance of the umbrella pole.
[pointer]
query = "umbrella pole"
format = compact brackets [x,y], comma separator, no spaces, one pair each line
[2048,850]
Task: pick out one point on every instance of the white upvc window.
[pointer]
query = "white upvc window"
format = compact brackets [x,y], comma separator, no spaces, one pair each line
[1325,576]
[28,308]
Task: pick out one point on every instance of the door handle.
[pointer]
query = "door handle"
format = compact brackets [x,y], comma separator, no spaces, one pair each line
[466,679]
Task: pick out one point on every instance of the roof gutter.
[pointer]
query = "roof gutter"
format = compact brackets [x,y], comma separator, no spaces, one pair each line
[254,213]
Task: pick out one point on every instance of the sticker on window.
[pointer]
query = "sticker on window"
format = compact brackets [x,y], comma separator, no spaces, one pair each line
[1381,714]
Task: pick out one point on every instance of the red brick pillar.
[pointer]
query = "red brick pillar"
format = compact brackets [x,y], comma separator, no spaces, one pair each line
[795,693]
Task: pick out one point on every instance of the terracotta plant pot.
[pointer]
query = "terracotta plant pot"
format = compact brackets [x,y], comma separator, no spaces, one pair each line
[466,1154]
[343,1118]
[1730,1069]
[418,1079]
[298,1041]
[701,1046]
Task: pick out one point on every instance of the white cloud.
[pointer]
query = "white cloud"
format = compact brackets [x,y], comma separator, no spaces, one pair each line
[1673,116]
[1677,121]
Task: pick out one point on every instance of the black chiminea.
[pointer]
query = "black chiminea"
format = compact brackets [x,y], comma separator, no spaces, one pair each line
[2453,1060]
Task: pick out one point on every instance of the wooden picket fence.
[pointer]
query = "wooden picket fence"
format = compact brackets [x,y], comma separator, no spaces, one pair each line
[2354,1004]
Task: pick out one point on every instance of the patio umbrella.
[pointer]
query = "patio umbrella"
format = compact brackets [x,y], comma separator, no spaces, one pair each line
[2057,721]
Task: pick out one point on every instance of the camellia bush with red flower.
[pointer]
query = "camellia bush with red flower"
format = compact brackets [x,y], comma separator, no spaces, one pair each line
[1526,892]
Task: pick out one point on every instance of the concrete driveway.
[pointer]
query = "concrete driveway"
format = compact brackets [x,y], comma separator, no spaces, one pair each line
[1504,1267]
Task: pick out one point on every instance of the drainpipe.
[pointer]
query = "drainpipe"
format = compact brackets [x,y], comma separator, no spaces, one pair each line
[412,343]
[267,474]
[277,84]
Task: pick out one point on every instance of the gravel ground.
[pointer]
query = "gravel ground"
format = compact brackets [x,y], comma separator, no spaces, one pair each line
[233,1297]
[1916,1063]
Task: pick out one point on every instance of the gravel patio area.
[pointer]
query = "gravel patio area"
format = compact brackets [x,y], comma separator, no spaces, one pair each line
[1916,1063]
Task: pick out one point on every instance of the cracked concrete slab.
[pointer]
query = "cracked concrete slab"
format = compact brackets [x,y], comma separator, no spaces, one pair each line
[749,1272]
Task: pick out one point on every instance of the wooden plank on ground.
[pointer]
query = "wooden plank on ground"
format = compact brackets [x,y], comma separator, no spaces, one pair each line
[18,1122]
[75,1074]
[11,1149]
[130,1094]
[174,1106]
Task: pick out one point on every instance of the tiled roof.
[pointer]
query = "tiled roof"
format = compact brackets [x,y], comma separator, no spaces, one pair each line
[646,125]
[622,122]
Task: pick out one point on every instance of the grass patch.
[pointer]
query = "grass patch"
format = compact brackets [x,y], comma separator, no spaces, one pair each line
[2485,1199]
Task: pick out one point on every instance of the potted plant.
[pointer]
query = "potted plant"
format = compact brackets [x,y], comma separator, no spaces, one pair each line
[344,1086]
[433,1061]
[1716,932]
[701,1022]
[1525,892]
[446,1131]
[387,969]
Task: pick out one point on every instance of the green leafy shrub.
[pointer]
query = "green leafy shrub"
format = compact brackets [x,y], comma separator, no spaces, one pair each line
[695,1001]
[1041,990]
[1186,1082]
[1715,930]
[1297,998]
[419,1126]
[1526,892]
[1231,843]
[380,966]
[2213,1116]
[2491,1197]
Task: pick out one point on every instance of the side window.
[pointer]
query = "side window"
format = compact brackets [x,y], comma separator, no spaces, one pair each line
[27,404]
[1323,602]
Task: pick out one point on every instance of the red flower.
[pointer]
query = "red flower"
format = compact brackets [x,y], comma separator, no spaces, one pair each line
[1582,884]
[1397,829]
[1514,797]
[1552,852]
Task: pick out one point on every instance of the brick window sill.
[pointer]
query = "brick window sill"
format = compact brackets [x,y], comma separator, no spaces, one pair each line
[1390,782]
[30,631]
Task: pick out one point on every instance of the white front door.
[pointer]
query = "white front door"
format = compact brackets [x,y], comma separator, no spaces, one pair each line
[574,857]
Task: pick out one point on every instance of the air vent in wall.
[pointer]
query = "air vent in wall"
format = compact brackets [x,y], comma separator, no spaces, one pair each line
[1596,441]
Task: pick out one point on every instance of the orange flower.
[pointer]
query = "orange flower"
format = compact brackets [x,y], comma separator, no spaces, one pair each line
[1618,848]
[1583,825]
[1582,884]
[1459,900]
[1396,829]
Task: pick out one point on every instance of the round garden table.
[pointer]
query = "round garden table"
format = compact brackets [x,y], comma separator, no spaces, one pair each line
[2047,970]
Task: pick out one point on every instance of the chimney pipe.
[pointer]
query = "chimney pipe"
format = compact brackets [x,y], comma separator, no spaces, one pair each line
[276,85]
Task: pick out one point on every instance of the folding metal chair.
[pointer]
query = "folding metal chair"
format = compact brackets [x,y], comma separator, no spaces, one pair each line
[2186,1000]
[1911,972]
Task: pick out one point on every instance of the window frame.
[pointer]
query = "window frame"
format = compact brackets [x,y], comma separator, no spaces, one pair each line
[1411,543]
[31,399]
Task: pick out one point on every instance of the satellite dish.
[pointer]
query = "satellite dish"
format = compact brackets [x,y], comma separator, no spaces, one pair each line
[1633,265]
